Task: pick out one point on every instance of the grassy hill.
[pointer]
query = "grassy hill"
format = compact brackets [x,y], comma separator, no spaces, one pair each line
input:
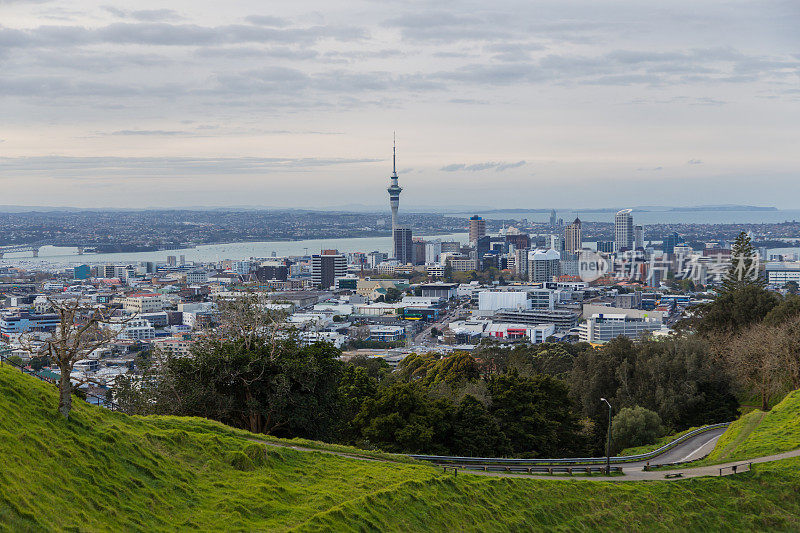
[104,471]
[760,433]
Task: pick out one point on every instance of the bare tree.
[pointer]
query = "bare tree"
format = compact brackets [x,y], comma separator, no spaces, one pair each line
[82,329]
[248,317]
[757,359]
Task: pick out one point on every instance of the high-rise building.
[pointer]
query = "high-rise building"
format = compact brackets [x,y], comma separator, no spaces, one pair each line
[543,265]
[419,251]
[451,247]
[375,258]
[403,245]
[433,251]
[573,237]
[623,230]
[638,237]
[670,242]
[82,272]
[326,267]
[518,240]
[605,246]
[477,229]
[553,219]
[557,242]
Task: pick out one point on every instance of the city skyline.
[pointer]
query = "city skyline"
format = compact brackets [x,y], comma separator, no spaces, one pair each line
[290,107]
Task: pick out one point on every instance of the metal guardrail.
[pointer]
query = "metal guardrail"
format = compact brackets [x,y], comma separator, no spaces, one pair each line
[89,398]
[446,459]
[569,470]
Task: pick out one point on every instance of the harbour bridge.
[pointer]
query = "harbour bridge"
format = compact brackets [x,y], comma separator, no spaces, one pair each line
[33,248]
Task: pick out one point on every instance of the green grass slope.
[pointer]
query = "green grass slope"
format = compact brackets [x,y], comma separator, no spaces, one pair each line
[757,433]
[103,471]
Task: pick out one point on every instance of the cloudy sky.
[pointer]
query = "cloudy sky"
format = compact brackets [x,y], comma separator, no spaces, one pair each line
[503,103]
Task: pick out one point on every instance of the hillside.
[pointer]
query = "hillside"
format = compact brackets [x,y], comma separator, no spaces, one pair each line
[760,433]
[104,471]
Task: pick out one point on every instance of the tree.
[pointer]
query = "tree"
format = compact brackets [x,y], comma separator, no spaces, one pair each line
[264,386]
[635,426]
[792,287]
[536,415]
[402,418]
[744,267]
[787,309]
[734,309]
[393,295]
[476,432]
[82,329]
[764,359]
[678,378]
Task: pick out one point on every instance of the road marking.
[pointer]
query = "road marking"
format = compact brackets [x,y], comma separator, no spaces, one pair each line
[699,448]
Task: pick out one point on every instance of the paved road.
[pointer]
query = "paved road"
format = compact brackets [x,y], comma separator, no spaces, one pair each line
[632,473]
[689,450]
[637,474]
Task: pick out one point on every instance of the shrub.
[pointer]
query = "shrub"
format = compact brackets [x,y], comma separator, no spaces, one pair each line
[635,426]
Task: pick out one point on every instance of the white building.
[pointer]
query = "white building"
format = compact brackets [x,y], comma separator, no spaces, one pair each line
[623,230]
[780,273]
[137,330]
[535,334]
[433,251]
[494,300]
[544,265]
[601,328]
[196,276]
[143,303]
[435,270]
[387,333]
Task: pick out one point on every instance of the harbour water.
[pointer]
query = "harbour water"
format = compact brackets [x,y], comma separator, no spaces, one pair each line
[688,216]
[57,256]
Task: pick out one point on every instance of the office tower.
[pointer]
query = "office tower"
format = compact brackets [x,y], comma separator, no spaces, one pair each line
[403,245]
[433,251]
[671,242]
[477,229]
[518,240]
[172,261]
[375,258]
[553,219]
[573,238]
[543,265]
[81,272]
[623,230]
[638,237]
[557,243]
[521,262]
[394,189]
[451,247]
[605,246]
[419,251]
[326,267]
[183,260]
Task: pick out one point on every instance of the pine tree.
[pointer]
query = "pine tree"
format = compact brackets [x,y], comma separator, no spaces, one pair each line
[744,269]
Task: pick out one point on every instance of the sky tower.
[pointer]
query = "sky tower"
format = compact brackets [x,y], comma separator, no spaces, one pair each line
[394,189]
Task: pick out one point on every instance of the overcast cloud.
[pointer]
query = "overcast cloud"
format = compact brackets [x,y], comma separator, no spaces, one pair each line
[537,103]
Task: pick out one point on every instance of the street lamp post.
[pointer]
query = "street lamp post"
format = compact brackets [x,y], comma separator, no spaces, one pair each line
[608,439]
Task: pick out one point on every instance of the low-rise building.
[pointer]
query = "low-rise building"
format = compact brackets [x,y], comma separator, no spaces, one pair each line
[140,303]
[601,328]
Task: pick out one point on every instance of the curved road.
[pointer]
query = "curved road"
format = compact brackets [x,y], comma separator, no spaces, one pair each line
[691,449]
[632,471]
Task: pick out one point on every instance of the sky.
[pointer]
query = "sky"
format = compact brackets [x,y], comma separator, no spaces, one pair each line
[518,104]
